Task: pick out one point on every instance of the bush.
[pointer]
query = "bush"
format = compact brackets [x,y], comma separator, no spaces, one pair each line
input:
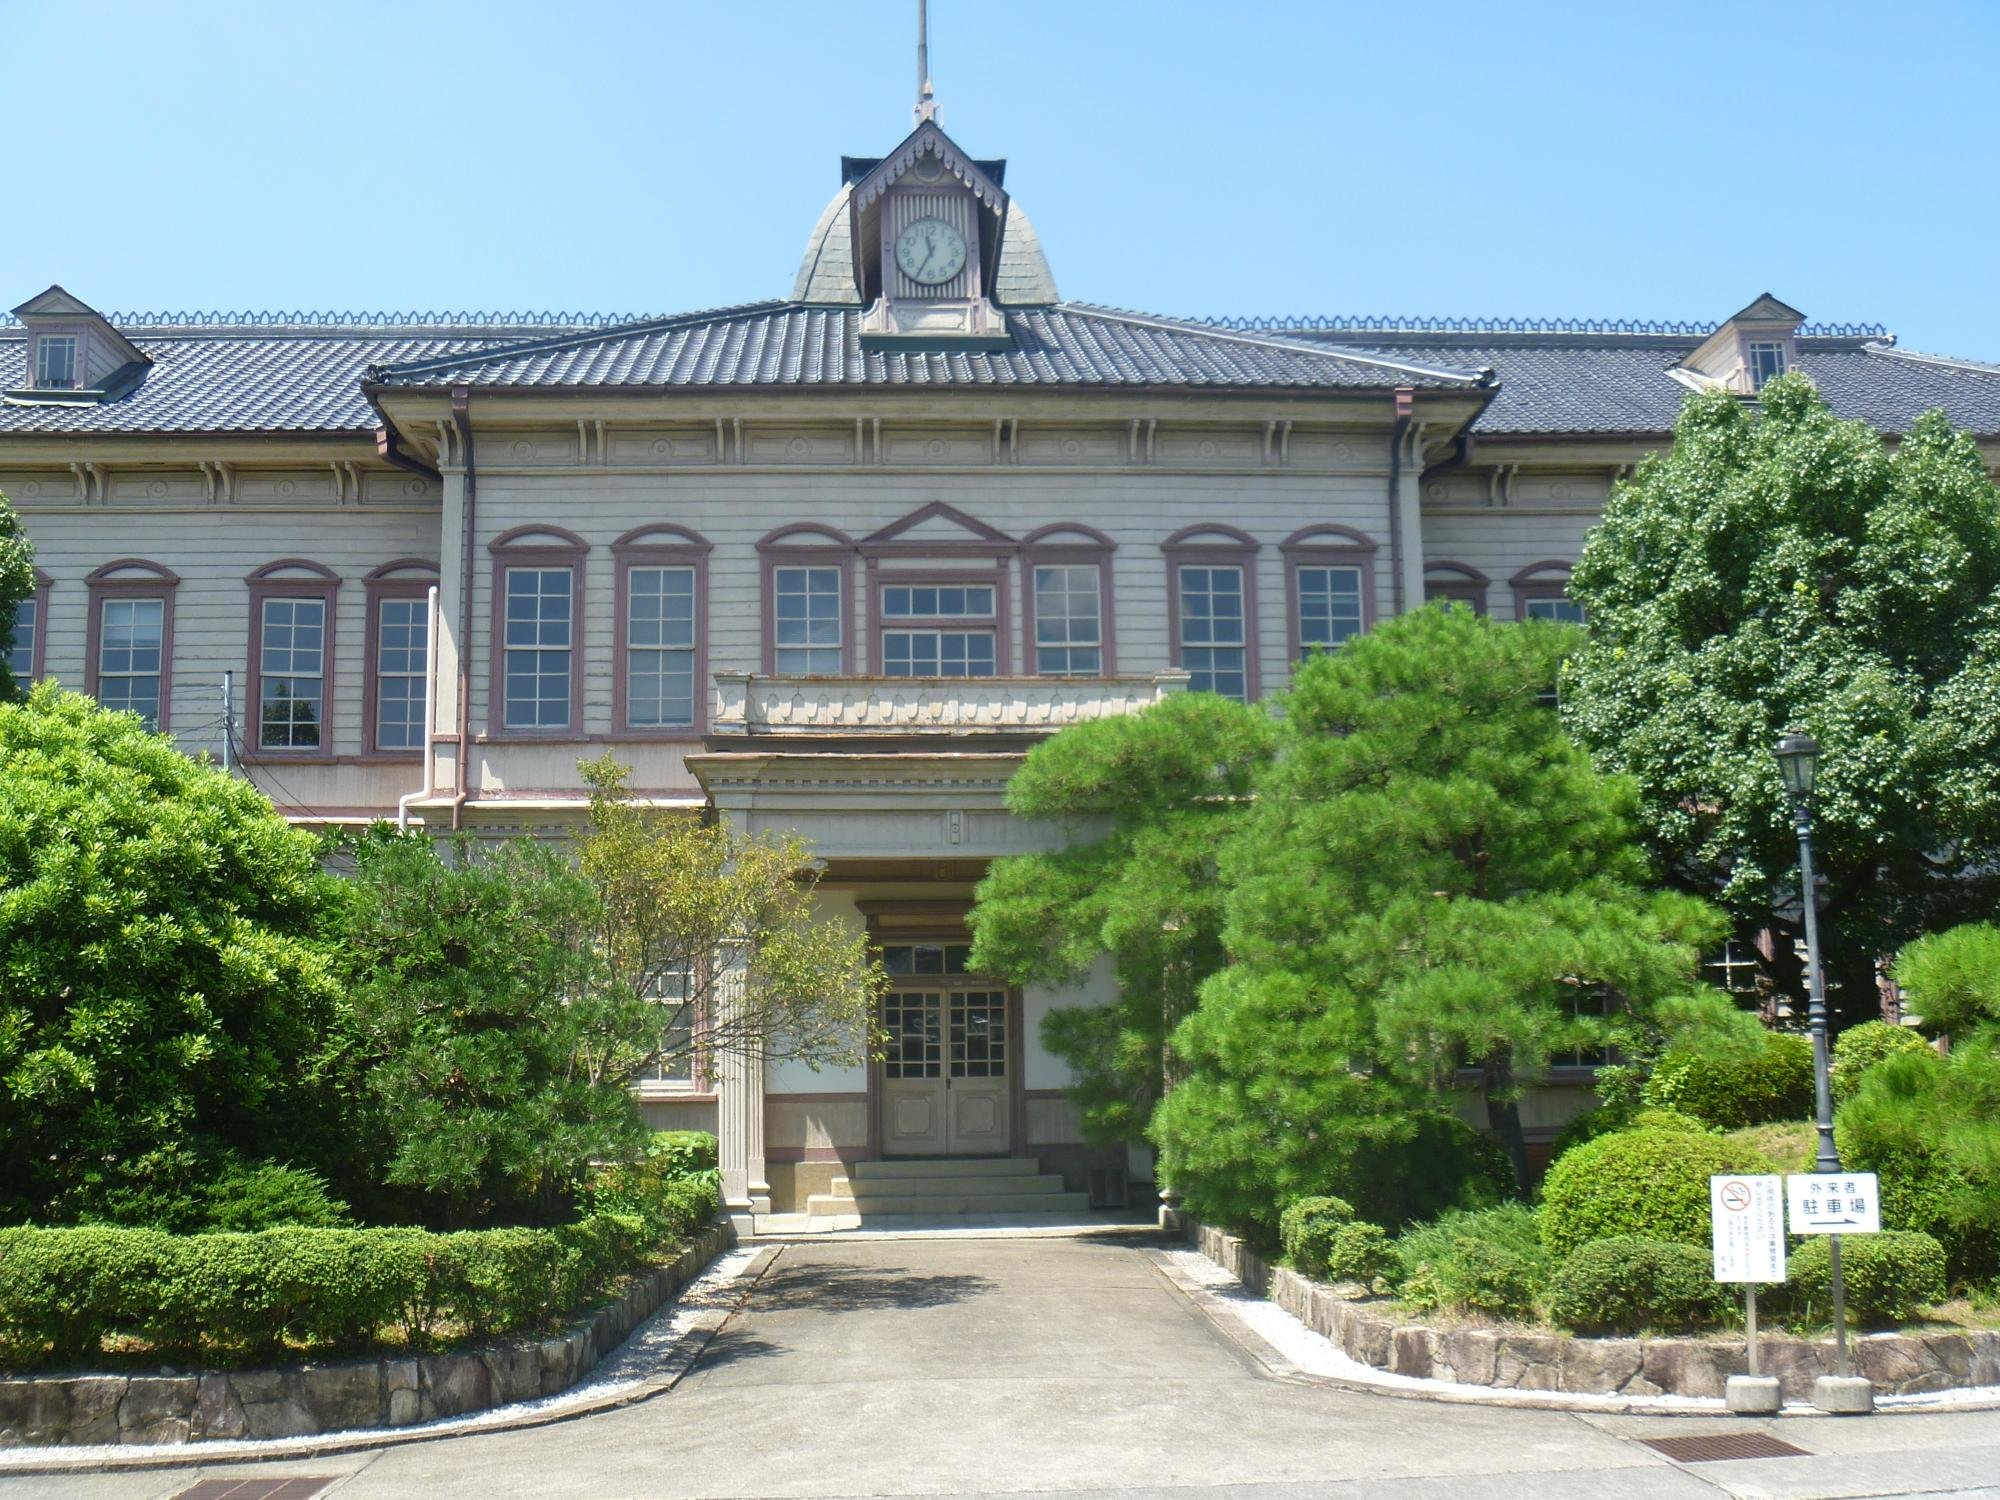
[1790,1146]
[1593,1123]
[167,983]
[1634,1285]
[682,1153]
[1490,1261]
[1652,1184]
[265,1195]
[1443,1164]
[1306,1229]
[1890,1277]
[1771,1080]
[1930,1126]
[63,1291]
[1360,1252]
[1859,1048]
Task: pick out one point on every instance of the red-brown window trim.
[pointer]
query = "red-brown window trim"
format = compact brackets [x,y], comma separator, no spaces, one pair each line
[1462,582]
[1232,548]
[1529,584]
[1326,546]
[274,581]
[38,652]
[660,546]
[833,549]
[995,578]
[1048,547]
[156,582]
[702,1077]
[404,578]
[513,549]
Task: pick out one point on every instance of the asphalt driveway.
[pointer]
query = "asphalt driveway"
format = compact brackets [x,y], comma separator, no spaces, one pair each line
[1003,1366]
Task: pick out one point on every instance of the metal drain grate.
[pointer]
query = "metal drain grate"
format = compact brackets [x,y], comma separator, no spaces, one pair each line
[1712,1446]
[289,1487]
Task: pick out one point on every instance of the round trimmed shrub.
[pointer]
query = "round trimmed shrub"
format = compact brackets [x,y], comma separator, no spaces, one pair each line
[1890,1277]
[1652,1184]
[1749,1086]
[1306,1231]
[1859,1048]
[1360,1252]
[1632,1285]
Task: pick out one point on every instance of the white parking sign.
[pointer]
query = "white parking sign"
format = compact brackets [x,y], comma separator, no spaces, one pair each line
[1748,1221]
[1834,1203]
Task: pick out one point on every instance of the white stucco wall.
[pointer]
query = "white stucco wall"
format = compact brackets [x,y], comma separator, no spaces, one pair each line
[1046,1071]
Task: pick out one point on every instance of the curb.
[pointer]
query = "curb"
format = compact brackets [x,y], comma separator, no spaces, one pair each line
[1218,1307]
[686,1351]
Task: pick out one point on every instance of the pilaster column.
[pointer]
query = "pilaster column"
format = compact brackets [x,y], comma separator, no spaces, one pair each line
[1409,505]
[739,1115]
[452,578]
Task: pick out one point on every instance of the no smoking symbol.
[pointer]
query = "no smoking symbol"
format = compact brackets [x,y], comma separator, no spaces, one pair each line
[1736,1196]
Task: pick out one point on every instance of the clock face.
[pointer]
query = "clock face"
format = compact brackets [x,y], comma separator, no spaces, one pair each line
[930,252]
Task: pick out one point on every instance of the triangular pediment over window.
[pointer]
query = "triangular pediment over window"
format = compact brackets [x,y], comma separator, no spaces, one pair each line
[938,522]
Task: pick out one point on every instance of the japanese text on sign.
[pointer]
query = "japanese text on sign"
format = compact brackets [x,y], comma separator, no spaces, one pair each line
[1748,1219]
[1834,1203]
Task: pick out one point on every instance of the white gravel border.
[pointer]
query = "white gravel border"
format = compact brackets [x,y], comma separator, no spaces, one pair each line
[1296,1349]
[655,1355]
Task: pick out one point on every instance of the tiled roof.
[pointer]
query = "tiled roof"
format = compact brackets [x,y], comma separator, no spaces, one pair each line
[789,343]
[1561,382]
[303,372]
[228,382]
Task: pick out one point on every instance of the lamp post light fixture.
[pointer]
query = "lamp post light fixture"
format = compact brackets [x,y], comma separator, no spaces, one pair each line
[1798,759]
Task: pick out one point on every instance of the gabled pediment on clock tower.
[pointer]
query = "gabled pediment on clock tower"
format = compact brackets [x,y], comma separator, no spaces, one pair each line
[926,224]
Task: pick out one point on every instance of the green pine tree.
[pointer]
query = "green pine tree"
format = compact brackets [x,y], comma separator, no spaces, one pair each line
[1780,567]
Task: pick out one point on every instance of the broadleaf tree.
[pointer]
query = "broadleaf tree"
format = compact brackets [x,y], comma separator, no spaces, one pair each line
[1146,800]
[166,979]
[1780,567]
[712,943]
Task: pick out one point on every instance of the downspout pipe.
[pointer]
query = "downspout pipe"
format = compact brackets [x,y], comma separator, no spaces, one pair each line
[1406,408]
[430,682]
[461,416]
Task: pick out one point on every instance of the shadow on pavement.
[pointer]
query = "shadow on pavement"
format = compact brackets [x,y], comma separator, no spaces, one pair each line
[733,1346]
[838,1288]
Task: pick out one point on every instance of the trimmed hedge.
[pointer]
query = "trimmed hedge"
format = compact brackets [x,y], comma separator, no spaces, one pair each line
[1890,1277]
[1772,1081]
[1306,1230]
[1652,1184]
[63,1291]
[1360,1252]
[1635,1285]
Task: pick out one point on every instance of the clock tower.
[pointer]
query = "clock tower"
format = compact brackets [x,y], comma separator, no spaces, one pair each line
[927,222]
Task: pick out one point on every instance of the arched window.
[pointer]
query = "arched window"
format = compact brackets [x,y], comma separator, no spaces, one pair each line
[537,633]
[1068,624]
[129,638]
[808,593]
[1329,587]
[659,654]
[1212,608]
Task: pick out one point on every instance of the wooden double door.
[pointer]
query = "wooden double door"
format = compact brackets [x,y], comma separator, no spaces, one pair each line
[947,1075]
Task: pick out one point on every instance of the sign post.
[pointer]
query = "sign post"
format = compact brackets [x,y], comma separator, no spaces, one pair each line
[1833,1204]
[1747,1221]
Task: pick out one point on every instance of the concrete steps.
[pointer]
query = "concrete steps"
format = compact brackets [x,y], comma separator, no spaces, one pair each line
[934,1188]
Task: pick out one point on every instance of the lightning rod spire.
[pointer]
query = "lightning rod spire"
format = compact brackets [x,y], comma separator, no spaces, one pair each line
[926,105]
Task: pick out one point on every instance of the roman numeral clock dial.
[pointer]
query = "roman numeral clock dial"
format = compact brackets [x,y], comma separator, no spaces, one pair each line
[930,252]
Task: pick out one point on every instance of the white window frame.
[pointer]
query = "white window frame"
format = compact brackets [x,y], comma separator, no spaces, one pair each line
[823,652]
[1203,676]
[44,343]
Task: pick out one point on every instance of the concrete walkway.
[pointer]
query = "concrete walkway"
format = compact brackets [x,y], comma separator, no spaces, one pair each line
[956,1366]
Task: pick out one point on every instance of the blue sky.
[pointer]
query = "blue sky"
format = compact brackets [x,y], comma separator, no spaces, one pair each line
[1648,159]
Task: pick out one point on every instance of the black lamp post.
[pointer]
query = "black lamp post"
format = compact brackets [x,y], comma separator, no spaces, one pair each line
[1798,757]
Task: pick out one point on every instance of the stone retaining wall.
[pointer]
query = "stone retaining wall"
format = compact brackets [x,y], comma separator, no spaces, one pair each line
[302,1400]
[1895,1363]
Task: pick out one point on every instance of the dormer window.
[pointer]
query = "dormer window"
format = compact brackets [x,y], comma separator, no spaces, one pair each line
[1767,362]
[55,362]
